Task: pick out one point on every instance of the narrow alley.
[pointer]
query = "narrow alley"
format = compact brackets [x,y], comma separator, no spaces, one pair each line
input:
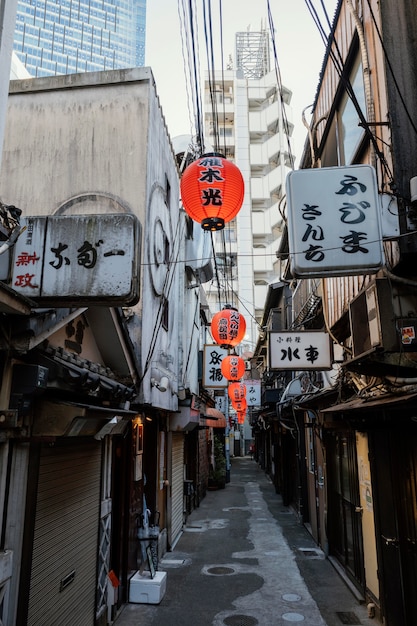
[245,560]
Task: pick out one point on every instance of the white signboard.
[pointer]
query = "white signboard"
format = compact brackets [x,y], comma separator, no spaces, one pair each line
[334,221]
[253,392]
[82,259]
[220,403]
[303,350]
[212,373]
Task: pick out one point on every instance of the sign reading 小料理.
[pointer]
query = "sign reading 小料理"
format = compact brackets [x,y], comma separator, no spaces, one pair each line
[303,350]
[80,258]
[334,221]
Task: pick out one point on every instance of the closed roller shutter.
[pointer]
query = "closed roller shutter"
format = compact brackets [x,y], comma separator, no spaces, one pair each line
[177,491]
[63,577]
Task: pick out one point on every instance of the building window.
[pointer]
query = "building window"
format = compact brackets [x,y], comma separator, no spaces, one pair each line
[345,136]
[165,314]
[350,133]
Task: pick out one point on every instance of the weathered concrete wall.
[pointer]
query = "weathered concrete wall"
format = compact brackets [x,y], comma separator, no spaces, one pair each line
[97,143]
[77,134]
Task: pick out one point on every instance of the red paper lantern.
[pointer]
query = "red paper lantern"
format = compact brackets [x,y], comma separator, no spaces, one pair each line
[240,406]
[237,391]
[228,327]
[241,417]
[212,191]
[233,367]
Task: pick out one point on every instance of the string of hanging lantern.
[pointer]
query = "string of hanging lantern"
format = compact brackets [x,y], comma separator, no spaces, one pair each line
[212,193]
[228,328]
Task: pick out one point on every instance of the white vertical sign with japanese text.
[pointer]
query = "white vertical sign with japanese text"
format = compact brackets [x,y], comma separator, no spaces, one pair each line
[334,221]
[253,392]
[304,350]
[212,362]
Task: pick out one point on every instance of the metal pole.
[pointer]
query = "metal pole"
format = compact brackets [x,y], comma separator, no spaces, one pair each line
[227,439]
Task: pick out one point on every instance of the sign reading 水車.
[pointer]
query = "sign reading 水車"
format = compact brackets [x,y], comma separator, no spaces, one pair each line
[334,221]
[303,350]
[80,258]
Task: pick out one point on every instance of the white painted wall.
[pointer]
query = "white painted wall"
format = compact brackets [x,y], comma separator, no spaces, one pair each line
[97,143]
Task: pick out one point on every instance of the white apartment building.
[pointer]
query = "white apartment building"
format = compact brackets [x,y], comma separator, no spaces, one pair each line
[245,110]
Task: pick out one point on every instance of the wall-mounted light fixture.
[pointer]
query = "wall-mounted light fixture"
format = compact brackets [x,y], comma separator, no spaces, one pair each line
[162,378]
[161,384]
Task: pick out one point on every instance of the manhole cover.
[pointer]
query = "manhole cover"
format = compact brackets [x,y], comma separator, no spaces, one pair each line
[291,597]
[240,620]
[220,571]
[349,618]
[293,617]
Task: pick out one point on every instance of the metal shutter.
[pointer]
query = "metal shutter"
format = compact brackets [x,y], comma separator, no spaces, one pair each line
[64,570]
[177,482]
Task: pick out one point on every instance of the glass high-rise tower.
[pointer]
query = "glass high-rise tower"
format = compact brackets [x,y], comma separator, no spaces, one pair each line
[70,36]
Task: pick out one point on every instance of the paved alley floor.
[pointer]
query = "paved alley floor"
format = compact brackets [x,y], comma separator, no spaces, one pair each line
[245,560]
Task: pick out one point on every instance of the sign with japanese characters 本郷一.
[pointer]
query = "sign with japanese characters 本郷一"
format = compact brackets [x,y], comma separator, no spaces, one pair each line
[334,221]
[80,258]
[303,350]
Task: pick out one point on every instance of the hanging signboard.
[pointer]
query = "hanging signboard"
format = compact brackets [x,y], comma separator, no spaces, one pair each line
[334,221]
[253,392]
[303,350]
[220,403]
[212,361]
[80,259]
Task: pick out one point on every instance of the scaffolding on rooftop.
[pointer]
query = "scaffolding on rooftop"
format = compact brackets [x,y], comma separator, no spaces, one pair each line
[252,53]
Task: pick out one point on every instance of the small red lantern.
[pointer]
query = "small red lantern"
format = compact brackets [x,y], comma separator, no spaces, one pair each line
[237,391]
[228,327]
[212,190]
[240,406]
[233,367]
[241,417]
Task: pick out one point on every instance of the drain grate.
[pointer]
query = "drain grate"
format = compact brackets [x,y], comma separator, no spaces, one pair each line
[311,553]
[220,571]
[240,620]
[349,618]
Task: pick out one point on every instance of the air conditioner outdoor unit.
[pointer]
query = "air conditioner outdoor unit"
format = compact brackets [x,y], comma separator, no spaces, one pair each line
[382,318]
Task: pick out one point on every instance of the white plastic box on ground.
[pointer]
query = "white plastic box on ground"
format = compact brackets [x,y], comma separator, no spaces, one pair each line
[146,590]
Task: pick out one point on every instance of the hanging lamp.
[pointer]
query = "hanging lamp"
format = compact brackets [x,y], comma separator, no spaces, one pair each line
[212,191]
[240,406]
[228,327]
[233,367]
[236,391]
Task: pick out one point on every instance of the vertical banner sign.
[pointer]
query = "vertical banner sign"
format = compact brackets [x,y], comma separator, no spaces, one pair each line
[220,403]
[304,350]
[212,373]
[334,221]
[253,392]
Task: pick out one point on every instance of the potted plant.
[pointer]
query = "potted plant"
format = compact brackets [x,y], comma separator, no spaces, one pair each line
[217,476]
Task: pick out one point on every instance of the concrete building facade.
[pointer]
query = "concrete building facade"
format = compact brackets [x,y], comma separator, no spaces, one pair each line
[107,435]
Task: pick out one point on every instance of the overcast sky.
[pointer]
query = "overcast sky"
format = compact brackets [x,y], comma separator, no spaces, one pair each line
[299,47]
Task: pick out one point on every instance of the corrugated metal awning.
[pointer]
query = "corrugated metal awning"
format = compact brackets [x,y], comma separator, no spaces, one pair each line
[363,404]
[214,418]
